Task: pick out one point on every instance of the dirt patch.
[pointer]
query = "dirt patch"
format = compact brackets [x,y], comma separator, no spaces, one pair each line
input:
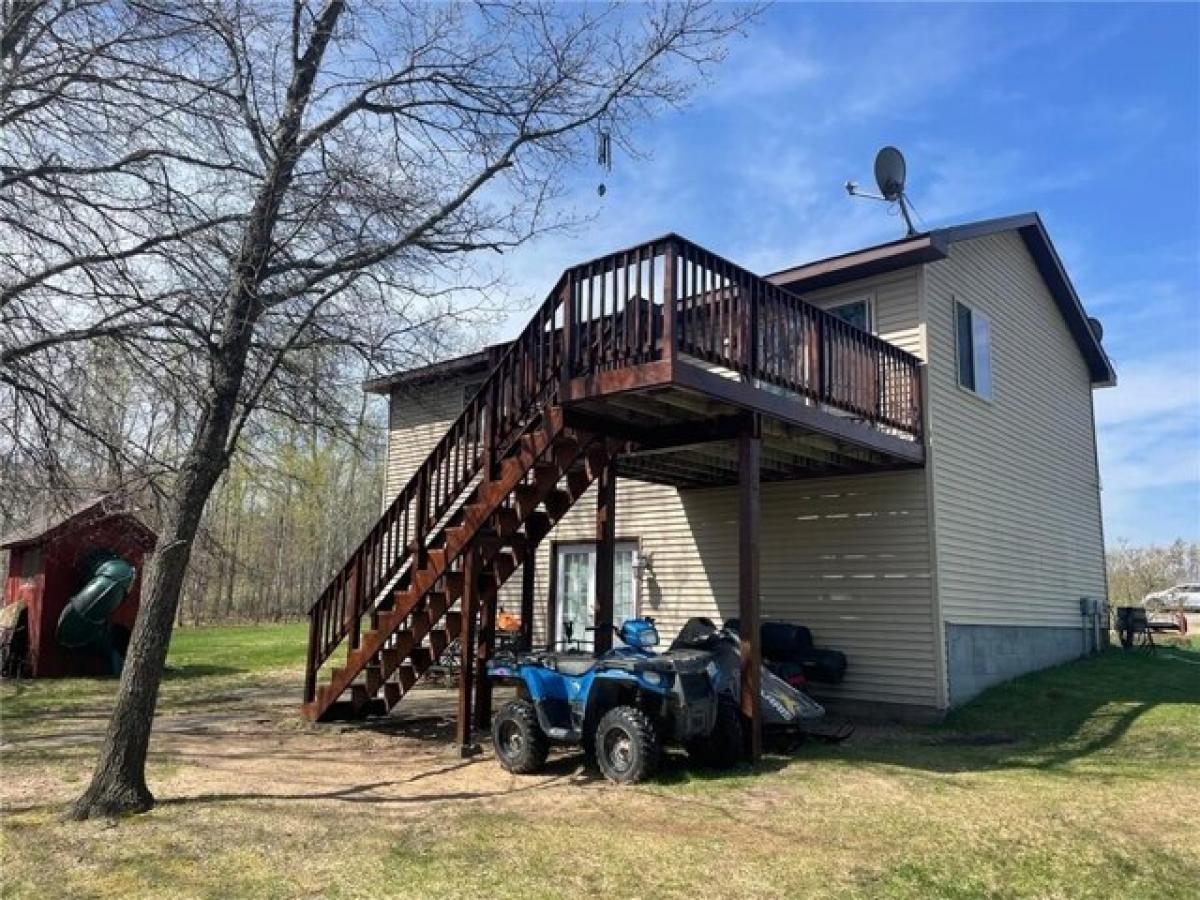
[250,745]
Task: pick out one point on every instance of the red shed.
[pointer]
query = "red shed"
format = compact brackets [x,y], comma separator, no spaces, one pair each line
[47,564]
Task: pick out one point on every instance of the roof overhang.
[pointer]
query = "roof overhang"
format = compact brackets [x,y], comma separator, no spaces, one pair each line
[478,363]
[935,245]
[918,249]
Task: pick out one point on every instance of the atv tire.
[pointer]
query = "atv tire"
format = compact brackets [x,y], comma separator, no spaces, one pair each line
[626,745]
[521,746]
[722,748]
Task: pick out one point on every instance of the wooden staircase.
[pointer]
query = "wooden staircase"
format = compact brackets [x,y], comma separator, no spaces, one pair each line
[504,473]
[503,518]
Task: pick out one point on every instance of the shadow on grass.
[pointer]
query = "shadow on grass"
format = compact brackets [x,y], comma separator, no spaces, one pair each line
[1049,719]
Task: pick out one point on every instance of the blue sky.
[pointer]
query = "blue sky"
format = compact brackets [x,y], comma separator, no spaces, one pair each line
[1089,114]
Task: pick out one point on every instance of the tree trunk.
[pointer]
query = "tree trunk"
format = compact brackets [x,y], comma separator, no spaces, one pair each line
[118,784]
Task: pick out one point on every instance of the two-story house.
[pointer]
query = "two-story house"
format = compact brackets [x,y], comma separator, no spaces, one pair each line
[894,447]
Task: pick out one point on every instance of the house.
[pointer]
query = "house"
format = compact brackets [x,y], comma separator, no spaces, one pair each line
[895,447]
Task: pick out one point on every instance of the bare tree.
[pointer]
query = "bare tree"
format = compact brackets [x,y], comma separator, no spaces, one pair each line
[232,195]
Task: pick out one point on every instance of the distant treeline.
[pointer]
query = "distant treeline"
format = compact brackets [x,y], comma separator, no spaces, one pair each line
[1134,572]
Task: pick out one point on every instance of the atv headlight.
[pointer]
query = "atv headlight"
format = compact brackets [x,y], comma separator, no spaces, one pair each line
[654,679]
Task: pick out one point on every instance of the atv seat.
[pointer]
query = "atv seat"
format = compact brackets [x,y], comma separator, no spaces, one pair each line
[569,662]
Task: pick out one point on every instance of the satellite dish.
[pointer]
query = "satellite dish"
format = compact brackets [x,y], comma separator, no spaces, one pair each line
[1097,328]
[889,173]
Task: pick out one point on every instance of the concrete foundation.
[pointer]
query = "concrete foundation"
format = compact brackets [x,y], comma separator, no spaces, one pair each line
[979,656]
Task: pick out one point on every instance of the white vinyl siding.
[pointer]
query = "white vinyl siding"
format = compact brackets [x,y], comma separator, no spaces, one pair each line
[1016,492]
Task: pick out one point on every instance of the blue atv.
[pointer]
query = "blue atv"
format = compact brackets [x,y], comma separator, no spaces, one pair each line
[621,707]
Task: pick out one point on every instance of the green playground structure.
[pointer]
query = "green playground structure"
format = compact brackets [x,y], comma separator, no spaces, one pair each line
[84,622]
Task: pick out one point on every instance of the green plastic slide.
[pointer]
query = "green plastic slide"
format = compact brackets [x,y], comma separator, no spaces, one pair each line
[84,620]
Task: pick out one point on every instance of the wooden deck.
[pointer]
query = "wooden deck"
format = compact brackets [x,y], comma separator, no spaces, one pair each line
[675,349]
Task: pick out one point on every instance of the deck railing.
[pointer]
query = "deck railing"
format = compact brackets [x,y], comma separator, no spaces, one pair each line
[732,320]
[605,315]
[523,380]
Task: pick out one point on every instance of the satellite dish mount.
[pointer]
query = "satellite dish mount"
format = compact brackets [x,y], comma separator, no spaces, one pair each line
[890,173]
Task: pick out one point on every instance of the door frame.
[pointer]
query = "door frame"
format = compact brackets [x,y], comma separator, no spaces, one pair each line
[552,592]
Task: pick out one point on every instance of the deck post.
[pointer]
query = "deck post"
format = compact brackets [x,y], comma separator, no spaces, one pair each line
[466,642]
[606,547]
[310,666]
[568,337]
[486,643]
[749,520]
[528,574]
[670,263]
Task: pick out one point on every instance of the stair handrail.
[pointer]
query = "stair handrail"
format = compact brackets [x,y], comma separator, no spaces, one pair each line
[524,376]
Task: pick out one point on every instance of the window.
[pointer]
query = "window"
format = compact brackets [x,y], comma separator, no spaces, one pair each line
[974,343]
[856,312]
[576,589]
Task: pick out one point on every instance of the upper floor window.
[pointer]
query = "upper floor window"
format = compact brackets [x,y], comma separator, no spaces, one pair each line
[856,312]
[974,347]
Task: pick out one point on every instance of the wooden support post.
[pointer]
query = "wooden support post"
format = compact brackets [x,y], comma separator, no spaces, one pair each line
[310,667]
[528,574]
[420,556]
[568,335]
[466,643]
[606,552]
[749,520]
[487,648]
[670,262]
[356,605]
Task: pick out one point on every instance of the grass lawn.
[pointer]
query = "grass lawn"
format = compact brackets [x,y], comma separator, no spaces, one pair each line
[1081,781]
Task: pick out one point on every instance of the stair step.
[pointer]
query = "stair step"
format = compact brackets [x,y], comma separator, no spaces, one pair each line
[419,623]
[503,566]
[453,623]
[406,675]
[392,693]
[435,605]
[513,467]
[390,660]
[557,502]
[507,520]
[545,474]
[526,496]
[538,525]
[577,483]
[566,448]
[438,641]
[452,582]
[437,560]
[519,543]
[421,658]
[374,674]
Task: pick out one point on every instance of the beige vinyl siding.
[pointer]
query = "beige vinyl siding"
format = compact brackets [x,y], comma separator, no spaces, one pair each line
[849,557]
[417,419]
[1016,491]
[896,298]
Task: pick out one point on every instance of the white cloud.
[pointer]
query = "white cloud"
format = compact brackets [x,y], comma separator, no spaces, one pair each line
[1161,389]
